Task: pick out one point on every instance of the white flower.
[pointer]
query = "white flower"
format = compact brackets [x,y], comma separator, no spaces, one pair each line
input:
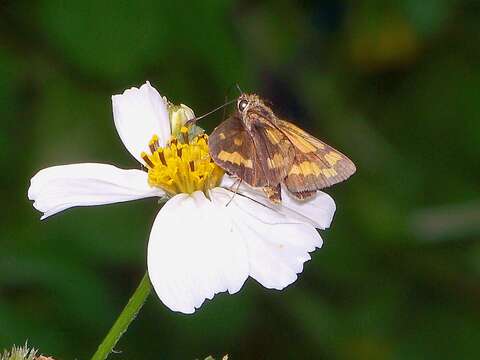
[199,246]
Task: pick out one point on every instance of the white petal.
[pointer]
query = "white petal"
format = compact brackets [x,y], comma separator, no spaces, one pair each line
[193,253]
[277,243]
[318,210]
[139,114]
[61,187]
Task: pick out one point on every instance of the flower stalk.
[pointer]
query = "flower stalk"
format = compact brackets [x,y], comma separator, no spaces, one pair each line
[126,317]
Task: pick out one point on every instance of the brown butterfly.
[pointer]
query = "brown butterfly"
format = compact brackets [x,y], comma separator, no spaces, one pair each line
[264,151]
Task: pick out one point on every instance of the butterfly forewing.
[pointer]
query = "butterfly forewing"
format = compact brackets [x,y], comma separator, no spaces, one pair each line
[262,157]
[232,148]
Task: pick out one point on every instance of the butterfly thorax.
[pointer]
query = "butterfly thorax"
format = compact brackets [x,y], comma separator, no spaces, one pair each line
[256,113]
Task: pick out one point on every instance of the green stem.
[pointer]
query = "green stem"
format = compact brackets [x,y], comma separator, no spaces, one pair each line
[124,320]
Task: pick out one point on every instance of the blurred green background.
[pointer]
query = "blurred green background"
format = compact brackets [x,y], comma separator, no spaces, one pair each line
[393,84]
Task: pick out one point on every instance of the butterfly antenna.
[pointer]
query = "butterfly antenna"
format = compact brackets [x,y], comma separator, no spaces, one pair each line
[225,109]
[238,87]
[195,119]
[252,199]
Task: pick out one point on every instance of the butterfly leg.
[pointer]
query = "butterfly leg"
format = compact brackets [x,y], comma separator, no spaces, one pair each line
[274,193]
[304,195]
[234,192]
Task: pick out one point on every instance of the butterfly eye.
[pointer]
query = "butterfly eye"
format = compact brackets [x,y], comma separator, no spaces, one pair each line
[242,105]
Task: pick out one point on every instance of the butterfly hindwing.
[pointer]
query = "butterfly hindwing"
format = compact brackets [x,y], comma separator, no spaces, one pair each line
[316,165]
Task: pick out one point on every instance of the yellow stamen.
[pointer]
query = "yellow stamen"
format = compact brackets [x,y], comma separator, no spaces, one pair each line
[147,159]
[153,144]
[182,167]
[184,132]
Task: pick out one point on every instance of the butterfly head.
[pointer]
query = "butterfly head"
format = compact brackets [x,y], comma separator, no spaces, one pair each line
[252,109]
[245,101]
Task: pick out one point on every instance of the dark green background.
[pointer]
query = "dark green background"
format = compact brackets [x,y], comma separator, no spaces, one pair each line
[395,85]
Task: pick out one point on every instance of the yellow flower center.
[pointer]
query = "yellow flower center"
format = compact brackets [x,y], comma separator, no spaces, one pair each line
[182,167]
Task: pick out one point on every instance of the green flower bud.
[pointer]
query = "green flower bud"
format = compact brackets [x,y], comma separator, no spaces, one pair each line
[179,115]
